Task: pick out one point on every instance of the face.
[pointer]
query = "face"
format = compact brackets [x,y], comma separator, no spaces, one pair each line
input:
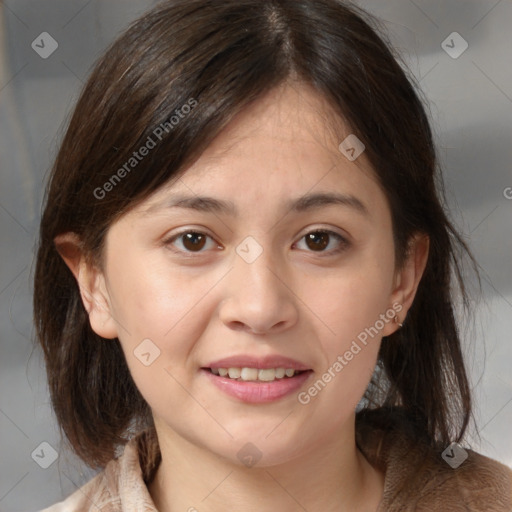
[273,250]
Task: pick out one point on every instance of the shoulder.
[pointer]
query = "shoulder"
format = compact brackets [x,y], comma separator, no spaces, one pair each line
[94,495]
[119,487]
[419,477]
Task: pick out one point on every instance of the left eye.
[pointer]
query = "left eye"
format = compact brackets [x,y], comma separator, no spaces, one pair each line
[318,241]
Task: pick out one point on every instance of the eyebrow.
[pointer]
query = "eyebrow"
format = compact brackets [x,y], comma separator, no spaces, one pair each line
[302,204]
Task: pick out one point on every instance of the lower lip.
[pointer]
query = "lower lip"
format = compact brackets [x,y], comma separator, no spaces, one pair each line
[258,392]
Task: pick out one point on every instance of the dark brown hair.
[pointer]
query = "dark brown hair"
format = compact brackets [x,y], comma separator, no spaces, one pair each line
[220,56]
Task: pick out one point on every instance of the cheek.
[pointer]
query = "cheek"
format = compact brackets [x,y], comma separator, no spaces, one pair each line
[160,315]
[350,354]
[155,300]
[352,299]
[350,302]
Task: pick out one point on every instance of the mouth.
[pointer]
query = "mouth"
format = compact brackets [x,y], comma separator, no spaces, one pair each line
[247,374]
[256,385]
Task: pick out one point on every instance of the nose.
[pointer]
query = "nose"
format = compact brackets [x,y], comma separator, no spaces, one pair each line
[259,298]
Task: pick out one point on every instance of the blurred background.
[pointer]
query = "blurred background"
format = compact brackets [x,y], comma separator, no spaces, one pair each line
[459,52]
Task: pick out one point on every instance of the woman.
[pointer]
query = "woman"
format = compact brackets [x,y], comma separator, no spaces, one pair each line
[242,242]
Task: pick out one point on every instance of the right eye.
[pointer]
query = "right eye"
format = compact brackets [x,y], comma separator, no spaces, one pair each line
[190,242]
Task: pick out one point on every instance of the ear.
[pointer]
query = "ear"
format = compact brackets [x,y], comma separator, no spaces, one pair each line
[407,280]
[91,283]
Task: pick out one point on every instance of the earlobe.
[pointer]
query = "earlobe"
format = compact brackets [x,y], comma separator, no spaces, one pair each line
[408,279]
[91,283]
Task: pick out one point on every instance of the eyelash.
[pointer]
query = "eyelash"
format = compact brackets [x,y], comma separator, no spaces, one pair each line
[343,242]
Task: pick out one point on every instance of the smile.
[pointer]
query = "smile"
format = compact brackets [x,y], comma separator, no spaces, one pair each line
[253,385]
[255,374]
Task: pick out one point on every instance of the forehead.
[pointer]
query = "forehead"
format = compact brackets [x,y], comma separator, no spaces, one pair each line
[283,145]
[290,121]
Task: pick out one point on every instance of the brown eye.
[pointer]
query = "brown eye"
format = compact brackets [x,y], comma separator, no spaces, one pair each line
[193,241]
[317,241]
[326,242]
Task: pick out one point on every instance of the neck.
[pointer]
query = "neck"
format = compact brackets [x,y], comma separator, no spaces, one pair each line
[332,476]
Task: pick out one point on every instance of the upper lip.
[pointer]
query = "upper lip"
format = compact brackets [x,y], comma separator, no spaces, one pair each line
[248,361]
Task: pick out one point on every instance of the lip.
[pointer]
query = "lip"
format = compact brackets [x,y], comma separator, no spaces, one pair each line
[262,363]
[257,392]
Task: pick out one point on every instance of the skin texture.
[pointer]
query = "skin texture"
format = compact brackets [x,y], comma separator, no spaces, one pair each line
[293,300]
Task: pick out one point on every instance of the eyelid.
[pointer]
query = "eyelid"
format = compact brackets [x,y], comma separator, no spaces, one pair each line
[323,229]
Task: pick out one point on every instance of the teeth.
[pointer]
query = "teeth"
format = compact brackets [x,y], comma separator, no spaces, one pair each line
[234,373]
[254,374]
[248,374]
[280,373]
[268,374]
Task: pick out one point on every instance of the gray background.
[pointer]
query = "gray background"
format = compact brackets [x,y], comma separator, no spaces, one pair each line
[471,108]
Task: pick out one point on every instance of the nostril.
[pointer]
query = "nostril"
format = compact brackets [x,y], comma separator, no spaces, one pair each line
[237,325]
